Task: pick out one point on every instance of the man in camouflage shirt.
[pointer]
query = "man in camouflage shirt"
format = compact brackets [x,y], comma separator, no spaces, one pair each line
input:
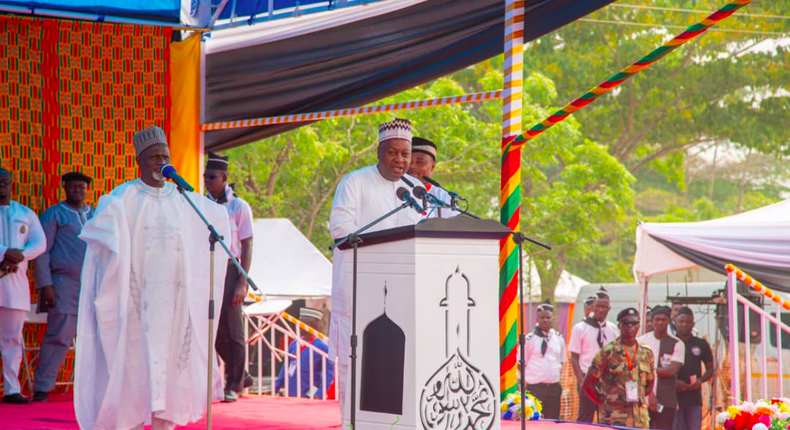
[626,371]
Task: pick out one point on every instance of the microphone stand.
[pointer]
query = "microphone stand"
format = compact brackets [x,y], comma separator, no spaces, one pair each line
[519,238]
[354,240]
[213,239]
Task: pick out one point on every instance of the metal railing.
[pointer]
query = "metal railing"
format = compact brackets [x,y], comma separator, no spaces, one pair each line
[266,328]
[766,318]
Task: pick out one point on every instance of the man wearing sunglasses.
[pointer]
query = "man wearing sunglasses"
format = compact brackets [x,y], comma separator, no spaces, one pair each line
[230,332]
[625,370]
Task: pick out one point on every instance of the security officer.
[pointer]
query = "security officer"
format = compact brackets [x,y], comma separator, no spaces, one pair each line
[626,371]
[544,355]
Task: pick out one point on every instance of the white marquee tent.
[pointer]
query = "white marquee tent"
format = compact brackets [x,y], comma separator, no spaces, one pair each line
[287,265]
[756,241]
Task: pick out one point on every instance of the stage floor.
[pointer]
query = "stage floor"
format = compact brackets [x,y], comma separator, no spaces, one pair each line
[250,412]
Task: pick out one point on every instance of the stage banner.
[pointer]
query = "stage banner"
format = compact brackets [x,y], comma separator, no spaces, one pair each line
[186,151]
[72,95]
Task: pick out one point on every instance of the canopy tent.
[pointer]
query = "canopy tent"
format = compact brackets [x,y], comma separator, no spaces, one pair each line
[756,241]
[285,263]
[355,56]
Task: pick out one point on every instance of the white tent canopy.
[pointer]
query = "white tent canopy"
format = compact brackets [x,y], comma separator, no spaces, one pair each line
[286,264]
[757,241]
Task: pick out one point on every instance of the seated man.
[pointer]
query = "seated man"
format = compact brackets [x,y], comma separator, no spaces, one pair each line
[311,317]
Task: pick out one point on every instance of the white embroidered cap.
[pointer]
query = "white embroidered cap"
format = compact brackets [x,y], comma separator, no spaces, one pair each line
[398,128]
[147,138]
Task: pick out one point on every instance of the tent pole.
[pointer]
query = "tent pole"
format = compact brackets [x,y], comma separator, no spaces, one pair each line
[510,191]
[644,281]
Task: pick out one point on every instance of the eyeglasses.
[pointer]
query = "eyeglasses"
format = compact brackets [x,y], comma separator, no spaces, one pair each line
[630,323]
[5,183]
[210,177]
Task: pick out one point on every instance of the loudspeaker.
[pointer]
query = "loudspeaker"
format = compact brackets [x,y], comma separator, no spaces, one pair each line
[755,328]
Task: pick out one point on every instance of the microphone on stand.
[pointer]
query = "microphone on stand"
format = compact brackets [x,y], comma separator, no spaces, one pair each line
[406,181]
[169,172]
[421,193]
[437,184]
[404,195]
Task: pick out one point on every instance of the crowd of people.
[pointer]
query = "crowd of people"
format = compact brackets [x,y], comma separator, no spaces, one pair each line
[651,381]
[135,270]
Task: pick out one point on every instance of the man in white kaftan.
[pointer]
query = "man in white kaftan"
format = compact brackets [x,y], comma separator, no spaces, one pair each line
[21,240]
[361,197]
[142,342]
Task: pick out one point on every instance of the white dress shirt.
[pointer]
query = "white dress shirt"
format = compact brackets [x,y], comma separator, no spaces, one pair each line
[584,341]
[544,369]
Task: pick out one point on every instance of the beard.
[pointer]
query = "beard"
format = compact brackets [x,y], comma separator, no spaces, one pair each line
[157,176]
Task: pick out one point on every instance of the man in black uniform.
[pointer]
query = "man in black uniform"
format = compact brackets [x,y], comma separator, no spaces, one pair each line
[690,376]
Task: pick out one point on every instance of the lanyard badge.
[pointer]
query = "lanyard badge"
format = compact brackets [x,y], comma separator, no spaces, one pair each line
[631,387]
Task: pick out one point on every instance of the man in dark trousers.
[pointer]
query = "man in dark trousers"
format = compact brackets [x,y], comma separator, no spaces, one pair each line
[669,353]
[544,355]
[57,273]
[230,332]
[690,377]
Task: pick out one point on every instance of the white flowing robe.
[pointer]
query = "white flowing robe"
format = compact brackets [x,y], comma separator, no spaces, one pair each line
[142,331]
[361,197]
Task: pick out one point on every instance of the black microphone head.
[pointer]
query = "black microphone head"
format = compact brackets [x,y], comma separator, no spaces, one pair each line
[407,181]
[431,181]
[419,192]
[401,193]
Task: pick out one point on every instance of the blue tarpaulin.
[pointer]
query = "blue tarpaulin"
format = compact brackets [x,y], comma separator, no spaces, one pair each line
[149,10]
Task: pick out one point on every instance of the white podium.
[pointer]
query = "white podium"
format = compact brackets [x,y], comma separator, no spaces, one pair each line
[428,326]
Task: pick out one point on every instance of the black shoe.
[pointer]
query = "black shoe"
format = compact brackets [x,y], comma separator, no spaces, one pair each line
[248,381]
[16,399]
[40,396]
[230,396]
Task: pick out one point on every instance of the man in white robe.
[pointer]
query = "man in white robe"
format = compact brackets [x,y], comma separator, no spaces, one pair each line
[21,239]
[361,197]
[142,334]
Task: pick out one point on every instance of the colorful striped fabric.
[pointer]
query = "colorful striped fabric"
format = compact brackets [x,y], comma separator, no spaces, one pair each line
[510,194]
[367,110]
[767,292]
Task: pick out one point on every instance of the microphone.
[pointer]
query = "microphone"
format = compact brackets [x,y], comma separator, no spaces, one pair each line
[437,184]
[404,195]
[422,193]
[406,181]
[169,172]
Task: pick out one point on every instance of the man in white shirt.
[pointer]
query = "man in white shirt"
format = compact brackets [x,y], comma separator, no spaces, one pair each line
[230,332]
[361,197]
[21,239]
[587,338]
[544,355]
[670,353]
[423,162]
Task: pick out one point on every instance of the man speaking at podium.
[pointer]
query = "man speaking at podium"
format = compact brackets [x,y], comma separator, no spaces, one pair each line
[361,197]
[142,334]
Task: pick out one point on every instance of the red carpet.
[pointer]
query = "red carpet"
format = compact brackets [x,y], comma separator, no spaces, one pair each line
[249,412]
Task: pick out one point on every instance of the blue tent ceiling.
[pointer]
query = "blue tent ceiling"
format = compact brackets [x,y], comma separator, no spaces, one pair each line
[149,10]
